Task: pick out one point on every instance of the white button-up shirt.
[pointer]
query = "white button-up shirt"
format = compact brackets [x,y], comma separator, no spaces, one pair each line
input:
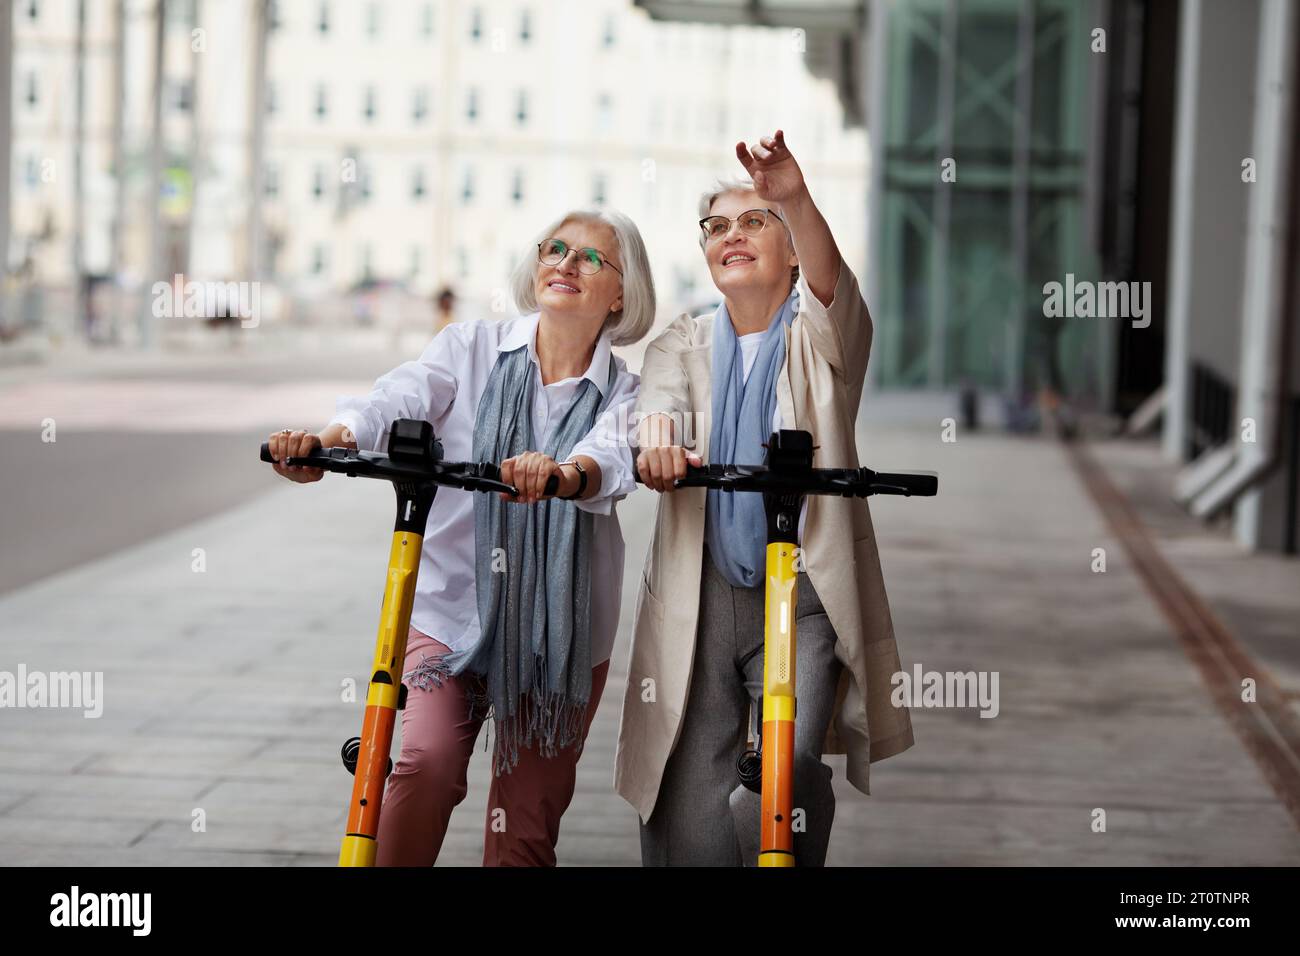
[443,386]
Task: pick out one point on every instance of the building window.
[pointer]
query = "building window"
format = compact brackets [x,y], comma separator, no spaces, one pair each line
[462,262]
[426,20]
[318,183]
[417,183]
[363,182]
[273,21]
[608,39]
[525,26]
[183,96]
[517,188]
[271,182]
[372,20]
[521,108]
[189,14]
[467,187]
[32,171]
[367,261]
[604,113]
[476,24]
[323,22]
[317,259]
[33,93]
[369,109]
[420,105]
[415,262]
[598,189]
[322,102]
[272,104]
[471,105]
[33,10]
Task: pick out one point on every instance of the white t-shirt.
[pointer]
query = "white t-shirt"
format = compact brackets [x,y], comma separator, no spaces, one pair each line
[748,353]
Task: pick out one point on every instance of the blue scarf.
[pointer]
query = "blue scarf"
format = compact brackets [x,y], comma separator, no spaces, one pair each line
[735,524]
[532,576]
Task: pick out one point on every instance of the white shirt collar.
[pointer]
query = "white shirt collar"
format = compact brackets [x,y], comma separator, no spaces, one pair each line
[525,331]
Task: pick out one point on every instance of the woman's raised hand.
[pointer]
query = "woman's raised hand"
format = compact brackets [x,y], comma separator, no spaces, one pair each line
[288,443]
[770,164]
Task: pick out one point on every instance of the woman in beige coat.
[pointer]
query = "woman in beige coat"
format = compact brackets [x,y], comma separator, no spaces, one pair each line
[788,348]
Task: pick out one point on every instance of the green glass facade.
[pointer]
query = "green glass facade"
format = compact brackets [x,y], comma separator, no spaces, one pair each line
[962,263]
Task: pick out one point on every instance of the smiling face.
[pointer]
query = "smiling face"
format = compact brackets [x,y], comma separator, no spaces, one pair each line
[563,290]
[744,263]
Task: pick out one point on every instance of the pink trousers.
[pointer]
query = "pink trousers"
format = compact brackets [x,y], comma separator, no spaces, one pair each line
[429,778]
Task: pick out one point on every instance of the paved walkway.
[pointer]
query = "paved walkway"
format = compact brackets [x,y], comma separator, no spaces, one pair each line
[222,689]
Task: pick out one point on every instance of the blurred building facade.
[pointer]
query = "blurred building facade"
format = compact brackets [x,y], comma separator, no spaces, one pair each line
[322,145]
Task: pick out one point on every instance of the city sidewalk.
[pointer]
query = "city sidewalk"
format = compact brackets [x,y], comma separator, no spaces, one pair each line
[223,689]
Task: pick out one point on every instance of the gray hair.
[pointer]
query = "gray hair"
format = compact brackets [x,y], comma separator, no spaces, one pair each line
[737,185]
[632,322]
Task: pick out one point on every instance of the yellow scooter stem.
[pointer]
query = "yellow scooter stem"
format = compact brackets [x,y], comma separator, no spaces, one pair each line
[382,699]
[777,836]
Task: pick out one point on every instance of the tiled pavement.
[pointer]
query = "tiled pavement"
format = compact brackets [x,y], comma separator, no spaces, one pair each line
[222,689]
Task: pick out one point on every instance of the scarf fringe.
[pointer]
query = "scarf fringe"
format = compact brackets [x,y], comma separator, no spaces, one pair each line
[548,720]
[430,671]
[545,720]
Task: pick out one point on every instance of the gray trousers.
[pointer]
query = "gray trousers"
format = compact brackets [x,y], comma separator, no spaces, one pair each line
[703,816]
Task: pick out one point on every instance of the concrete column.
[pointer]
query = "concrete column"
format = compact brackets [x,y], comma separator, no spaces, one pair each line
[1268,305]
[876,64]
[6,144]
[1212,134]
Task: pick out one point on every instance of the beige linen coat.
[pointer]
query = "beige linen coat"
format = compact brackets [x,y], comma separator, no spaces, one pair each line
[819,391]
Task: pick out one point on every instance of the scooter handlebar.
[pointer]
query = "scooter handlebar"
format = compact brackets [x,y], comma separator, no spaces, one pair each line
[844,482]
[847,482]
[470,476]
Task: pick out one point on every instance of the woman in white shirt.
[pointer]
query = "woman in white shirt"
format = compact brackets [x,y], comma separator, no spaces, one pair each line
[517,600]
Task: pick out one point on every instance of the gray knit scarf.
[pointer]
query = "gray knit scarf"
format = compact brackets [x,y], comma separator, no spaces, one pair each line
[532,577]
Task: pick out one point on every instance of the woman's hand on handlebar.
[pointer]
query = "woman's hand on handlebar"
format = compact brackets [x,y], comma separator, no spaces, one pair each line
[661,461]
[528,472]
[660,467]
[290,444]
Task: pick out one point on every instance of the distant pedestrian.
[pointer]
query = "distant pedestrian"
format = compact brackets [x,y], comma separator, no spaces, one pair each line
[445,304]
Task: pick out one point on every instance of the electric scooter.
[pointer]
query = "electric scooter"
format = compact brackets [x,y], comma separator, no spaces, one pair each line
[784,481]
[415,466]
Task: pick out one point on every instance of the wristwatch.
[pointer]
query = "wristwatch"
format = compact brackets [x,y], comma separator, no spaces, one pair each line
[582,480]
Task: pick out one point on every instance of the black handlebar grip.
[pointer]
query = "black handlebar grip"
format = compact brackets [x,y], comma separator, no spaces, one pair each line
[909,483]
[552,485]
[266,451]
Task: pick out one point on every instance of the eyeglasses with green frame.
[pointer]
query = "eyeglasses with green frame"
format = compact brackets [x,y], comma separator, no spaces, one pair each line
[751,222]
[551,252]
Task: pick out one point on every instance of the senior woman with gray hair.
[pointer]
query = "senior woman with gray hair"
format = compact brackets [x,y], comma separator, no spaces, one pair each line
[516,607]
[787,348]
